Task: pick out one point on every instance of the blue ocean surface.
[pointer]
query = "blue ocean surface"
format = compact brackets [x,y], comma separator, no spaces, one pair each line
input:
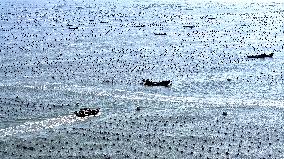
[59,56]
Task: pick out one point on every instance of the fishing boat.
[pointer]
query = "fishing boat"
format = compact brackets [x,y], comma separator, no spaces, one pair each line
[160,33]
[189,26]
[83,112]
[147,82]
[260,56]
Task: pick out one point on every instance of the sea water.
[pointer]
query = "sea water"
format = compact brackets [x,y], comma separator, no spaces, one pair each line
[59,56]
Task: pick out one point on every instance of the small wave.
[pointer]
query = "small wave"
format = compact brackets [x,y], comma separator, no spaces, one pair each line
[198,101]
[203,101]
[30,127]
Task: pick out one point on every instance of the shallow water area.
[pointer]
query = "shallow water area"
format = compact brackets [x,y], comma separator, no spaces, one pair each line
[59,56]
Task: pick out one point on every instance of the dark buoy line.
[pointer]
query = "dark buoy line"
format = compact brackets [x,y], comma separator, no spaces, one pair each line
[83,28]
[116,137]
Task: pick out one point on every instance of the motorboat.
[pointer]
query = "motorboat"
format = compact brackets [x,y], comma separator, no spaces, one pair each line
[83,112]
[260,56]
[147,82]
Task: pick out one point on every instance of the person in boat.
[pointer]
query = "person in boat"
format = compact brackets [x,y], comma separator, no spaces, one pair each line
[80,114]
[95,111]
[147,82]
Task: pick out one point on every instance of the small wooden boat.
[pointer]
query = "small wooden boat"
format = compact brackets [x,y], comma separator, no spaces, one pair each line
[260,56]
[160,33]
[140,26]
[147,82]
[72,27]
[87,112]
[189,26]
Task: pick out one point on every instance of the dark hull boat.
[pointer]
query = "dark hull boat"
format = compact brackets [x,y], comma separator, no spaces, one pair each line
[147,82]
[87,112]
[260,56]
[160,33]
[74,28]
[188,26]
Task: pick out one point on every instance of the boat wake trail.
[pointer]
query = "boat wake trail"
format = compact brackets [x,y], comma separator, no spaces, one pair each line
[37,126]
[197,101]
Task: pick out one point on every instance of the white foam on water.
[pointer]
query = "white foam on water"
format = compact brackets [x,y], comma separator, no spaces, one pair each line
[221,101]
[202,101]
[38,126]
[139,95]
